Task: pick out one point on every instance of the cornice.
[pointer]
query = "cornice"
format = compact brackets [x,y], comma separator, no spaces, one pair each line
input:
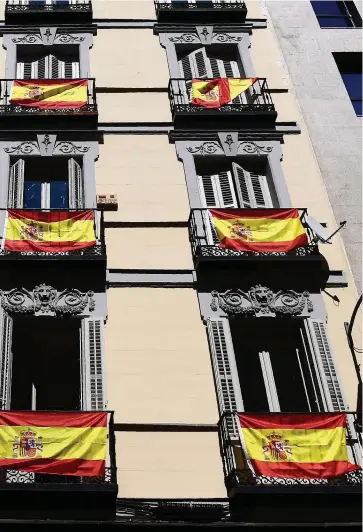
[191,28]
[80,28]
[213,136]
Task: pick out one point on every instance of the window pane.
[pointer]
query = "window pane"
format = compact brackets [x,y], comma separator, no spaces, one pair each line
[357,107]
[59,195]
[32,194]
[329,8]
[353,84]
[335,22]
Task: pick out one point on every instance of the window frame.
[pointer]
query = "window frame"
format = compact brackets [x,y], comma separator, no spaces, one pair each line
[352,14]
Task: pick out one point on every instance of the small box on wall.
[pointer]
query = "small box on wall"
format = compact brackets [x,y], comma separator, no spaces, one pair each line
[107,202]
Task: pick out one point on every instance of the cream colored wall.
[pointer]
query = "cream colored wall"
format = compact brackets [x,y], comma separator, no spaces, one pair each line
[169,465]
[157,357]
[123,9]
[148,248]
[134,107]
[128,58]
[2,59]
[307,189]
[144,172]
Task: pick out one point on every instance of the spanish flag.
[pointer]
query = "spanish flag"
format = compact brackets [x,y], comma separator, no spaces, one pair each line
[60,443]
[296,445]
[259,229]
[49,231]
[219,91]
[50,93]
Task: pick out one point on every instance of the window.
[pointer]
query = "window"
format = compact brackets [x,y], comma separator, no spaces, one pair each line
[337,14]
[350,68]
[252,356]
[224,184]
[46,183]
[40,62]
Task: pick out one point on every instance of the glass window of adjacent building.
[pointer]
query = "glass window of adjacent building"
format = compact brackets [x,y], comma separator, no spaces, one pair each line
[350,68]
[337,14]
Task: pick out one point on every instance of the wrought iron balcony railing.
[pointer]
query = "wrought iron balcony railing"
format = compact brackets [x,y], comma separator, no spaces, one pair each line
[253,105]
[205,243]
[12,476]
[203,11]
[61,10]
[94,252]
[7,108]
[238,475]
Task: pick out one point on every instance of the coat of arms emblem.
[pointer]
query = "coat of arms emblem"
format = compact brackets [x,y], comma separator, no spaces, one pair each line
[33,93]
[31,232]
[28,445]
[276,448]
[241,230]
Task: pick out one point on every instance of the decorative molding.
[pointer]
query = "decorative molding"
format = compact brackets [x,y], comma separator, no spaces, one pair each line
[48,35]
[67,147]
[262,301]
[24,148]
[67,38]
[252,147]
[207,148]
[185,37]
[29,38]
[46,144]
[45,300]
[229,142]
[226,37]
[205,34]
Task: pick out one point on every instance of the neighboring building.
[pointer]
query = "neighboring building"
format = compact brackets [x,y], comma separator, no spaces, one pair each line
[321,43]
[157,323]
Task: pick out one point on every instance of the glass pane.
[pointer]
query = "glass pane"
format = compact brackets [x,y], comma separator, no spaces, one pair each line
[32,194]
[335,22]
[353,84]
[329,8]
[59,195]
[357,107]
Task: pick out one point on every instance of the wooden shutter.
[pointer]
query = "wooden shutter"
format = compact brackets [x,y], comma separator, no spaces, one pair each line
[16,185]
[75,184]
[224,365]
[216,191]
[252,189]
[317,332]
[6,329]
[93,375]
[269,381]
[195,65]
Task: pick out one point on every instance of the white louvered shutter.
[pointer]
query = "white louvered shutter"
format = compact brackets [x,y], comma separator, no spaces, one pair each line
[331,386]
[216,191]
[224,367]
[252,189]
[194,65]
[16,185]
[75,185]
[6,359]
[93,374]
[223,68]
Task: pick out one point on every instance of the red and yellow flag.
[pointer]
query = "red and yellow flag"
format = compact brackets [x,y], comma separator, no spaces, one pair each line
[60,443]
[296,445]
[219,91]
[50,93]
[259,229]
[49,231]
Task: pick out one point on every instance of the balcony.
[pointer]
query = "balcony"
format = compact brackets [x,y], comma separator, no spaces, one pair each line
[253,108]
[262,499]
[96,252]
[201,11]
[207,250]
[39,113]
[48,12]
[39,495]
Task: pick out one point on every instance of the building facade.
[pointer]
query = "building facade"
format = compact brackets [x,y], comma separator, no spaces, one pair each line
[156,323]
[322,49]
